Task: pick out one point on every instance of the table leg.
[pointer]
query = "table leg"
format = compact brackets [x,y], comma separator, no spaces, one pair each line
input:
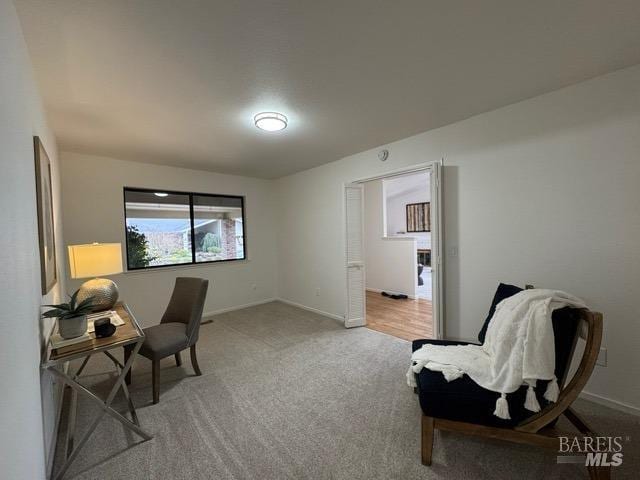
[125,389]
[71,425]
[104,405]
[73,410]
[84,364]
[132,408]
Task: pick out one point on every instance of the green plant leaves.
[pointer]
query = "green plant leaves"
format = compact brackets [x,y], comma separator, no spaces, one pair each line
[71,309]
[62,306]
[72,303]
[86,303]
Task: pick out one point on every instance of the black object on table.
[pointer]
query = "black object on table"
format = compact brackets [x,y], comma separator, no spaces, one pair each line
[103,327]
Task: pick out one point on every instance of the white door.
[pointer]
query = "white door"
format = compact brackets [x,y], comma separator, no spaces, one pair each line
[437,266]
[354,207]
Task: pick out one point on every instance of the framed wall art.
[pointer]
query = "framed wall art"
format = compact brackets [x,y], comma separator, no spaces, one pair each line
[44,203]
[419,217]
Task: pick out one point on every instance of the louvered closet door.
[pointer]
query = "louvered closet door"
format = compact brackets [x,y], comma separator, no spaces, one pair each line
[355,315]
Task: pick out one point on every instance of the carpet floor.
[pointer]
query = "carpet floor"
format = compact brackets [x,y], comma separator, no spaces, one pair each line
[288,394]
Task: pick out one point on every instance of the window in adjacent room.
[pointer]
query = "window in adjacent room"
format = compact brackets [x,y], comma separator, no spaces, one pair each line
[176,228]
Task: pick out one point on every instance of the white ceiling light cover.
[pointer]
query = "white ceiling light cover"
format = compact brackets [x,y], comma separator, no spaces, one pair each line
[270,121]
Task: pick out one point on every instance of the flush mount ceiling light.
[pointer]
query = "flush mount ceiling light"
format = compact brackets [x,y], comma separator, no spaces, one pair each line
[270,121]
[160,194]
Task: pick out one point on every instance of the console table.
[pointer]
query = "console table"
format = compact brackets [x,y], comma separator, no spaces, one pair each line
[128,334]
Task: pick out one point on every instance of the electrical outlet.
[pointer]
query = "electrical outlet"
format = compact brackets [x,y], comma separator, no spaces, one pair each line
[602,357]
[453,251]
[317,292]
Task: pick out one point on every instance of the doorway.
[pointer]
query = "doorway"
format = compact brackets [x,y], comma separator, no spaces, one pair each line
[393,252]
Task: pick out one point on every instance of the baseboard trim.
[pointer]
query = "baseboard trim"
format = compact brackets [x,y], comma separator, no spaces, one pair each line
[311,309]
[391,292]
[213,313]
[608,402]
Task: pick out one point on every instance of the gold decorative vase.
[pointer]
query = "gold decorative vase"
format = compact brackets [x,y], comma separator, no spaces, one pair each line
[104,292]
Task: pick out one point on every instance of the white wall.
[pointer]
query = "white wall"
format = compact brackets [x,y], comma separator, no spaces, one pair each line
[93,209]
[390,264]
[397,212]
[28,402]
[544,191]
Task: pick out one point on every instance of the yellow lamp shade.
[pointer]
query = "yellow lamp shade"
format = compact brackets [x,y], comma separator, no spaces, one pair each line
[95,259]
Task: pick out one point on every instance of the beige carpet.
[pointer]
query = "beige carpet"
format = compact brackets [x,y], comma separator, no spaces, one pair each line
[287,394]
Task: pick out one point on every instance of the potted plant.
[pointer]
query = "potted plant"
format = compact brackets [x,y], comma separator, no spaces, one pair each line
[72,316]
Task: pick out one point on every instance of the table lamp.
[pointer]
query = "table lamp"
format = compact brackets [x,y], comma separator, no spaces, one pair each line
[95,260]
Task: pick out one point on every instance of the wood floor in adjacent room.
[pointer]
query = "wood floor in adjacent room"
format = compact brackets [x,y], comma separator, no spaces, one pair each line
[408,319]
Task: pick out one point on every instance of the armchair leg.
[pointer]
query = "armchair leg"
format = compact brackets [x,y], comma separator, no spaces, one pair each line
[427,439]
[178,360]
[194,361]
[156,381]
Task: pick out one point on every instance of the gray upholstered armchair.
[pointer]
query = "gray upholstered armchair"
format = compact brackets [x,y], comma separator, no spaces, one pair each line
[178,329]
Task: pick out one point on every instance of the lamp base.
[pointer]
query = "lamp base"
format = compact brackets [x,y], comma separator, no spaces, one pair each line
[104,291]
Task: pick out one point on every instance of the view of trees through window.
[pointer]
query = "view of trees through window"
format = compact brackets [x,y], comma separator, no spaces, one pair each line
[160,227]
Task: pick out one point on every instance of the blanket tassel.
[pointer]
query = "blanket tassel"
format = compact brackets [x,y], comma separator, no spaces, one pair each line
[411,378]
[531,402]
[502,408]
[552,390]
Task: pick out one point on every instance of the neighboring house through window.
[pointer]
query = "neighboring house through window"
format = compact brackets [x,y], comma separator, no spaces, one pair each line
[175,228]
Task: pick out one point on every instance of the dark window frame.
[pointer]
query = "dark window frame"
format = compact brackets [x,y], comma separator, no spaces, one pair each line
[192,222]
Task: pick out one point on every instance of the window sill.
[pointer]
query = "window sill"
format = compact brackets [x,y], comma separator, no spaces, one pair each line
[142,271]
[398,238]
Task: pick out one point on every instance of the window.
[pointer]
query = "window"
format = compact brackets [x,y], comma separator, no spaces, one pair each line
[175,228]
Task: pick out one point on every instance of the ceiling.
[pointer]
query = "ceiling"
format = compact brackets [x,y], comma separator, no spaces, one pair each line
[177,82]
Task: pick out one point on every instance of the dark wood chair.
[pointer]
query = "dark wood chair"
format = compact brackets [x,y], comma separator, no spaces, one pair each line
[177,331]
[538,429]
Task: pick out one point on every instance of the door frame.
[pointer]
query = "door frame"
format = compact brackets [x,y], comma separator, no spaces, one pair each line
[437,257]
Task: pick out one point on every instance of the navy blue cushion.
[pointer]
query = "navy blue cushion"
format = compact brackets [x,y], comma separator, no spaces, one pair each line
[465,401]
[565,325]
[504,291]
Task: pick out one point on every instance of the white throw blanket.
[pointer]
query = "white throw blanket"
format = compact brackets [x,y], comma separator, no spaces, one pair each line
[518,349]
